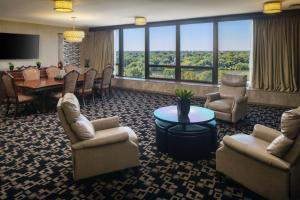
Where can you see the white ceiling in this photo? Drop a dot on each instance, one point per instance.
(91, 13)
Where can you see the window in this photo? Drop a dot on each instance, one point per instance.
(234, 47)
(134, 52)
(116, 52)
(196, 52)
(162, 53)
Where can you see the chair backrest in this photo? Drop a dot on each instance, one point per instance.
(9, 85)
(70, 82)
(52, 72)
(89, 79)
(70, 68)
(106, 75)
(233, 85)
(31, 74)
(67, 128)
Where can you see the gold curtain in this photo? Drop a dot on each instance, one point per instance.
(98, 47)
(276, 57)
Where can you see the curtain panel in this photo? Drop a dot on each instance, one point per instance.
(276, 54)
(98, 47)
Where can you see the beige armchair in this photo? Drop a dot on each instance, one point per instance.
(230, 103)
(112, 148)
(244, 158)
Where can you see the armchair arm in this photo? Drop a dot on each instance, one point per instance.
(101, 140)
(256, 154)
(265, 133)
(105, 123)
(213, 96)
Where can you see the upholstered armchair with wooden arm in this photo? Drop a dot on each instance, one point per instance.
(245, 159)
(112, 148)
(230, 103)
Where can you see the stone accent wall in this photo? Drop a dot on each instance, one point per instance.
(71, 53)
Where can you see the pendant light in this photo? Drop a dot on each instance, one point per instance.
(74, 35)
(65, 6)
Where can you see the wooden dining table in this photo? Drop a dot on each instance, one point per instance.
(43, 86)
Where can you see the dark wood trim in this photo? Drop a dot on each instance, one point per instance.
(215, 52)
(147, 48)
(198, 20)
(177, 67)
(121, 53)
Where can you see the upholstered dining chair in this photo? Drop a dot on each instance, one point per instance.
(230, 103)
(70, 68)
(52, 71)
(12, 96)
(70, 83)
(105, 83)
(247, 160)
(31, 74)
(111, 147)
(88, 85)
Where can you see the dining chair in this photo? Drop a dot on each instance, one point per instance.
(69, 86)
(31, 74)
(70, 68)
(105, 83)
(88, 85)
(12, 96)
(52, 71)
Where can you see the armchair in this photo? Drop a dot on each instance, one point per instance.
(245, 159)
(230, 103)
(112, 148)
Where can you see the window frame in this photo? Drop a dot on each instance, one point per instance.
(177, 23)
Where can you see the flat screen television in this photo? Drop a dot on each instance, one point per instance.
(19, 46)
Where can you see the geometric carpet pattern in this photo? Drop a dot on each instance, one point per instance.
(36, 162)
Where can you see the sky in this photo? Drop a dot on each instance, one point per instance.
(233, 35)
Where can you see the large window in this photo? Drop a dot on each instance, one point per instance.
(134, 52)
(234, 47)
(196, 52)
(116, 52)
(162, 52)
(201, 51)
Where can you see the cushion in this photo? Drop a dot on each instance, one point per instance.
(290, 123)
(71, 107)
(280, 146)
(83, 128)
(222, 105)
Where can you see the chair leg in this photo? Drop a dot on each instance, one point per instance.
(7, 108)
(16, 110)
(93, 96)
(83, 99)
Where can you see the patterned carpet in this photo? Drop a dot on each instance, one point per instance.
(36, 163)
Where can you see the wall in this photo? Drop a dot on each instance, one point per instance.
(168, 87)
(49, 42)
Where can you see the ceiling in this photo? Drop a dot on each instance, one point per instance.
(92, 13)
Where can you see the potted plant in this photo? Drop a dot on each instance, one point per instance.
(11, 66)
(38, 64)
(183, 101)
(87, 63)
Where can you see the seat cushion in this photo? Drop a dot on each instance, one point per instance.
(222, 105)
(71, 107)
(290, 123)
(24, 98)
(250, 141)
(280, 146)
(83, 128)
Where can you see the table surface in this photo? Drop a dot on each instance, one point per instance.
(196, 115)
(43, 83)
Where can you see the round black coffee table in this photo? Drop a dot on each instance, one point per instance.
(186, 138)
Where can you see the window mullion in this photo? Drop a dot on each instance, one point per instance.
(177, 68)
